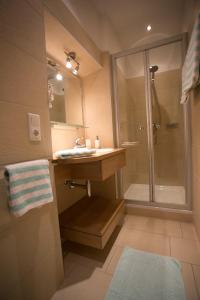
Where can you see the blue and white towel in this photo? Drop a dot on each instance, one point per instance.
(75, 152)
(29, 185)
(191, 67)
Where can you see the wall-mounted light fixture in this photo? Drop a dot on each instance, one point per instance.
(71, 62)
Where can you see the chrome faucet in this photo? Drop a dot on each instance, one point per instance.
(78, 143)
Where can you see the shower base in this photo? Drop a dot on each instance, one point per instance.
(163, 193)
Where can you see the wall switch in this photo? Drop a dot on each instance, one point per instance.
(34, 127)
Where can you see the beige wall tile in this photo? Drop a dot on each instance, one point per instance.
(98, 104)
(26, 244)
(37, 5)
(30, 245)
(9, 264)
(23, 79)
(65, 138)
(41, 282)
(24, 29)
(15, 145)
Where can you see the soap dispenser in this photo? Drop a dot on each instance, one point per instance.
(97, 143)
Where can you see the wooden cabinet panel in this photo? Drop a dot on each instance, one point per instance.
(91, 221)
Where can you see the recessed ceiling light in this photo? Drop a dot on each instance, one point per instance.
(149, 27)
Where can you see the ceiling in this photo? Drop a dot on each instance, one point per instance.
(130, 18)
(59, 39)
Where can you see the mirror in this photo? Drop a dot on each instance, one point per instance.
(65, 98)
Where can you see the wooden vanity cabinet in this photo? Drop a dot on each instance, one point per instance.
(91, 220)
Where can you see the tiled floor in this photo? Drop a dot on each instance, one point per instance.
(88, 271)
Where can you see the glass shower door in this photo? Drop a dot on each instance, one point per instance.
(132, 126)
(167, 124)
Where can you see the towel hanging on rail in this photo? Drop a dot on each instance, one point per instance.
(191, 67)
(29, 185)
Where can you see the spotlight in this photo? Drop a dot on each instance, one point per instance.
(68, 63)
(149, 27)
(59, 76)
(71, 62)
(75, 70)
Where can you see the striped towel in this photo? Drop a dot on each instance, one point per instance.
(191, 67)
(29, 185)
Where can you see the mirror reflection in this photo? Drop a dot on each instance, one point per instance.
(65, 97)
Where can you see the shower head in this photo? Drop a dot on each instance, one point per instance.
(153, 69)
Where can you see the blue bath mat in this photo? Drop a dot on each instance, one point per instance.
(145, 276)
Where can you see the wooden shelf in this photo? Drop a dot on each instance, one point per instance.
(91, 221)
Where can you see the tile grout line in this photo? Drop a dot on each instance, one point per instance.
(157, 233)
(181, 229)
(170, 251)
(109, 262)
(195, 282)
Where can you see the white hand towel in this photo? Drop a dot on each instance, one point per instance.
(191, 67)
(29, 185)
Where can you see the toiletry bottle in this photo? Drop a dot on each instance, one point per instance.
(97, 143)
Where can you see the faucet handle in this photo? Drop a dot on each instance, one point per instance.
(77, 141)
(78, 144)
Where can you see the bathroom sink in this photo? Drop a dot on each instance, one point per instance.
(79, 152)
(74, 152)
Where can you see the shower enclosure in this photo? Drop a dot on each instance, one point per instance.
(152, 124)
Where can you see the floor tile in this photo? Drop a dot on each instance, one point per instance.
(145, 241)
(185, 250)
(196, 270)
(90, 257)
(188, 231)
(189, 282)
(88, 271)
(153, 225)
(68, 267)
(84, 284)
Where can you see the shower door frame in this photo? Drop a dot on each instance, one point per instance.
(187, 125)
